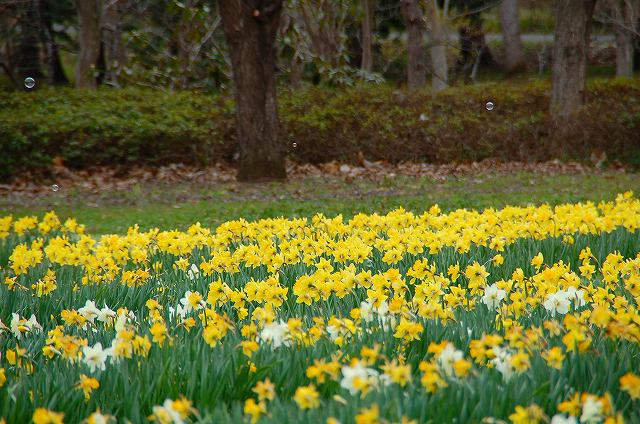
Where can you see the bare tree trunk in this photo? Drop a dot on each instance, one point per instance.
(438, 46)
(101, 65)
(113, 44)
(89, 41)
(624, 54)
(474, 51)
(414, 23)
(367, 35)
(296, 72)
(55, 71)
(573, 20)
(184, 45)
(514, 53)
(625, 21)
(324, 22)
(251, 36)
(27, 55)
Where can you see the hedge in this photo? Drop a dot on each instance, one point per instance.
(143, 126)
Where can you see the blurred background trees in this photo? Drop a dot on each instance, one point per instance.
(189, 45)
(180, 44)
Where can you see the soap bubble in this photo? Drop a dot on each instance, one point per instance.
(29, 83)
(55, 187)
(489, 106)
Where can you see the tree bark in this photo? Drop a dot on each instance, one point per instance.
(438, 47)
(89, 42)
(513, 51)
(573, 21)
(113, 44)
(250, 29)
(367, 35)
(474, 51)
(183, 33)
(55, 71)
(624, 54)
(325, 22)
(27, 60)
(626, 17)
(414, 22)
(296, 72)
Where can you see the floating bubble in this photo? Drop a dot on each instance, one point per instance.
(489, 106)
(424, 117)
(294, 145)
(29, 82)
(55, 187)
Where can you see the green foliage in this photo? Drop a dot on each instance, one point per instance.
(151, 127)
(108, 127)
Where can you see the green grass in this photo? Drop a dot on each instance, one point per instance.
(163, 206)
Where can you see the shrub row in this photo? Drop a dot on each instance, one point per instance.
(108, 127)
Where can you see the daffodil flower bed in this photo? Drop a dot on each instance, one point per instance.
(524, 315)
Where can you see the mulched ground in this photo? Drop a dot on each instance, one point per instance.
(104, 179)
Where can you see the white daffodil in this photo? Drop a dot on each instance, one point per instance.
(89, 311)
(32, 324)
(334, 332)
(106, 315)
(449, 356)
(99, 418)
(561, 419)
(95, 357)
(591, 410)
(576, 296)
(190, 302)
(493, 296)
(122, 319)
(166, 413)
(502, 362)
(350, 374)
(557, 303)
(17, 325)
(193, 272)
(181, 311)
(275, 333)
(366, 308)
(369, 313)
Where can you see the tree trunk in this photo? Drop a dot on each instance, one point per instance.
(296, 72)
(513, 51)
(413, 20)
(251, 35)
(113, 44)
(570, 48)
(636, 46)
(438, 46)
(367, 35)
(183, 34)
(474, 51)
(89, 42)
(27, 60)
(55, 71)
(324, 22)
(626, 16)
(624, 54)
